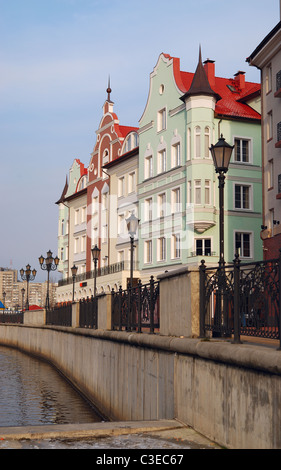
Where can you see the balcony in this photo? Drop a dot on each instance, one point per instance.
(278, 143)
(277, 94)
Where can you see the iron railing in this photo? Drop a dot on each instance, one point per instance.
(241, 299)
(88, 313)
(11, 317)
(136, 308)
(103, 271)
(60, 315)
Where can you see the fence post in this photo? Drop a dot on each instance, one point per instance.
(236, 313)
(151, 306)
(139, 305)
(202, 299)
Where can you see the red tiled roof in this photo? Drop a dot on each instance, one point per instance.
(233, 102)
(124, 130)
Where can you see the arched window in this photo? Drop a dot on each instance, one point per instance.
(197, 146)
(207, 141)
(131, 142)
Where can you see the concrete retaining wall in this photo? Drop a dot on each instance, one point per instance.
(230, 393)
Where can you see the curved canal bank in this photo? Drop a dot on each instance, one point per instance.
(227, 392)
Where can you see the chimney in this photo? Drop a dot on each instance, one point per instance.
(240, 79)
(209, 66)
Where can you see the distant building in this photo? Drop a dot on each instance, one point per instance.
(267, 57)
(11, 291)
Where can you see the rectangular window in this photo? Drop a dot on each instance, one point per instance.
(148, 170)
(241, 150)
(76, 217)
(203, 247)
(176, 200)
(242, 197)
(269, 126)
(132, 182)
(189, 199)
(162, 249)
(243, 244)
(207, 192)
(268, 79)
(161, 120)
(148, 251)
(162, 205)
(162, 161)
(176, 248)
(197, 191)
(270, 174)
(83, 243)
(121, 186)
(121, 224)
(76, 245)
(83, 214)
(176, 157)
(148, 209)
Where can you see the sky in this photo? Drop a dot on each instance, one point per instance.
(55, 60)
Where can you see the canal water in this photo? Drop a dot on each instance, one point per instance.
(32, 392)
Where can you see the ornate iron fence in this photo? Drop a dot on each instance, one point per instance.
(11, 317)
(241, 299)
(88, 314)
(60, 315)
(136, 308)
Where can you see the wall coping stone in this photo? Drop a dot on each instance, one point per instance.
(246, 355)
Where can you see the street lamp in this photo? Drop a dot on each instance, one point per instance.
(22, 297)
(221, 153)
(132, 226)
(74, 272)
(95, 255)
(48, 264)
(27, 276)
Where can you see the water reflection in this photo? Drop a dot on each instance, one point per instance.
(32, 392)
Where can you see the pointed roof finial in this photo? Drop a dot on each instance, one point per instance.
(108, 90)
(200, 84)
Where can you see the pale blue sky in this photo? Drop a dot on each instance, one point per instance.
(55, 59)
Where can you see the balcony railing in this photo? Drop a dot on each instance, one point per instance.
(103, 271)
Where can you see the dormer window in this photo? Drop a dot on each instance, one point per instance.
(131, 142)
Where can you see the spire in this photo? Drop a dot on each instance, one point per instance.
(108, 90)
(200, 84)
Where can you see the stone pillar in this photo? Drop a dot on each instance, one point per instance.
(179, 302)
(75, 314)
(104, 312)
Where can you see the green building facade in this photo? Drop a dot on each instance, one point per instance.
(178, 188)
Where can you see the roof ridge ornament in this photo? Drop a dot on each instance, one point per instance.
(108, 90)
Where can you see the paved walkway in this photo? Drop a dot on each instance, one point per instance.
(171, 431)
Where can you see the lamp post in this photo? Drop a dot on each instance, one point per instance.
(22, 297)
(74, 272)
(27, 276)
(221, 153)
(48, 264)
(132, 226)
(95, 255)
